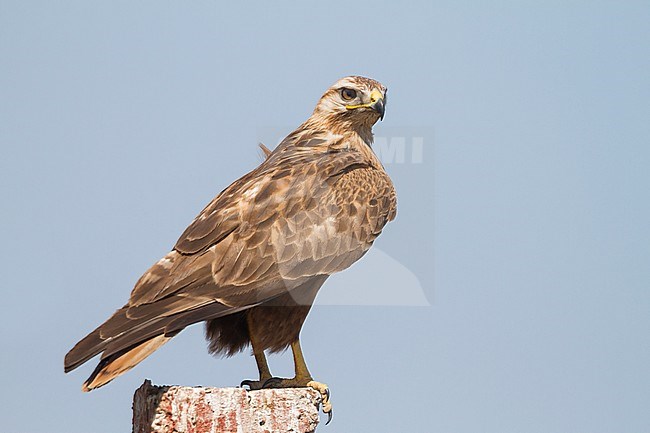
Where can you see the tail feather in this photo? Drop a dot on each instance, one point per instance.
(121, 362)
(125, 341)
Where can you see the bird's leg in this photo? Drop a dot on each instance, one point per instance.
(302, 379)
(260, 359)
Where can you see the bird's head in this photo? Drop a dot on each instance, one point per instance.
(352, 101)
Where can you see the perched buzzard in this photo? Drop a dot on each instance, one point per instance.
(252, 262)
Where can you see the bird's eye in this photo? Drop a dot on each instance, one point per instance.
(348, 94)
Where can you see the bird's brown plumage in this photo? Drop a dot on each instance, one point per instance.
(263, 247)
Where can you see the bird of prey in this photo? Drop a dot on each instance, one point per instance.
(252, 262)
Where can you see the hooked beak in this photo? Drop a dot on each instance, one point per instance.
(377, 103)
(379, 107)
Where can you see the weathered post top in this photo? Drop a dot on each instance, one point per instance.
(183, 409)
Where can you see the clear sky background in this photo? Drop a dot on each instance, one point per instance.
(513, 288)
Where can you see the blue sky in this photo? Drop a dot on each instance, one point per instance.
(510, 294)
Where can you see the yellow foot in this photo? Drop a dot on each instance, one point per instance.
(278, 382)
(325, 396)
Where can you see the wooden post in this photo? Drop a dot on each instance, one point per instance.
(183, 409)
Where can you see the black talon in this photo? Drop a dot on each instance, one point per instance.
(245, 383)
(329, 416)
(327, 393)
